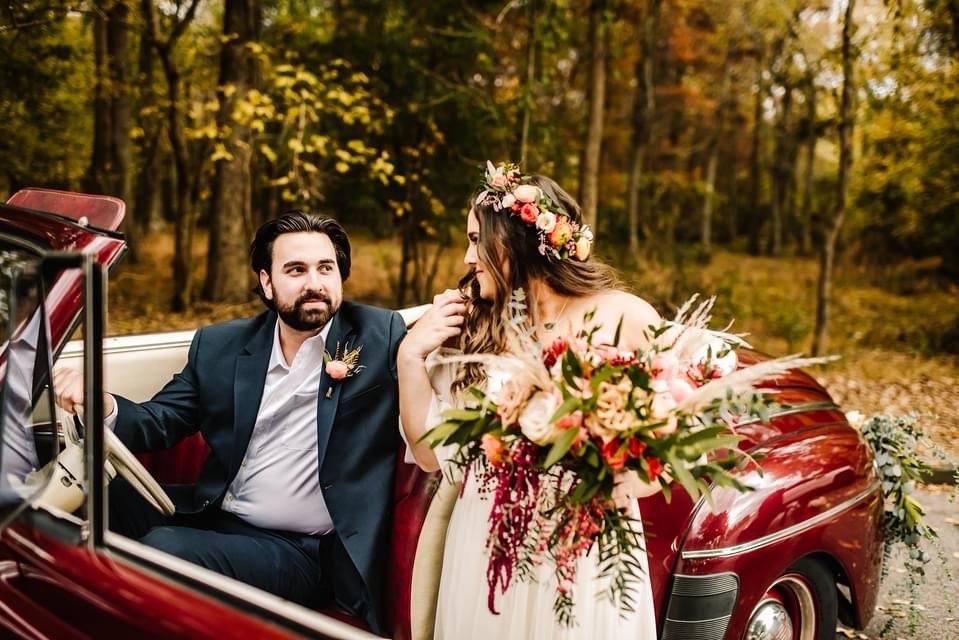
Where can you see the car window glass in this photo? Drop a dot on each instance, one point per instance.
(28, 437)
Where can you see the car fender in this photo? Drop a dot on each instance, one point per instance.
(817, 493)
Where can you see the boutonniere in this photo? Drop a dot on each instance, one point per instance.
(343, 366)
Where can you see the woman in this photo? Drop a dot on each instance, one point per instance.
(510, 248)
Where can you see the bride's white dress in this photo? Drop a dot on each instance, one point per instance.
(526, 609)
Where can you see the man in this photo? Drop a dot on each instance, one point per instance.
(295, 496)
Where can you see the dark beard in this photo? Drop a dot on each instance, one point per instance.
(300, 319)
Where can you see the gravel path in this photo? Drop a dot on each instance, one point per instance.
(939, 594)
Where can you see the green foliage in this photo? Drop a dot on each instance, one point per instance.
(897, 442)
(45, 97)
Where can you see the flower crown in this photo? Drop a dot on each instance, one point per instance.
(505, 188)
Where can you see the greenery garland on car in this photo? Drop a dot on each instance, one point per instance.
(896, 441)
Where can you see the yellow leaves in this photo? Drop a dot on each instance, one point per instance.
(399, 179)
(342, 167)
(309, 167)
(437, 207)
(343, 155)
(399, 208)
(228, 90)
(295, 145)
(356, 146)
(220, 153)
(268, 153)
(137, 133)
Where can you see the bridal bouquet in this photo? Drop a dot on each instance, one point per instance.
(555, 426)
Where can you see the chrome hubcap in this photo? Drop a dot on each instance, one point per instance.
(786, 612)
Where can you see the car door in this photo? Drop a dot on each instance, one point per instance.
(64, 574)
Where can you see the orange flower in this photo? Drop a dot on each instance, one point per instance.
(561, 233)
(494, 449)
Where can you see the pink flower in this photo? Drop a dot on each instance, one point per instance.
(665, 366)
(574, 419)
(498, 181)
(679, 389)
(526, 193)
(528, 213)
(337, 369)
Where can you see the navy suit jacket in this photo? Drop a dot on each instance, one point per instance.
(218, 393)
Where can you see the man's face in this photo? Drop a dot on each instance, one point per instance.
(304, 280)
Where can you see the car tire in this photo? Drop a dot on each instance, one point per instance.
(806, 592)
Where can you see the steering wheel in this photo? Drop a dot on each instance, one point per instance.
(65, 489)
(136, 474)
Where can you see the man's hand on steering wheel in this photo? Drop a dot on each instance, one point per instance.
(68, 391)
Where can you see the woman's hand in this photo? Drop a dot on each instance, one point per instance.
(629, 487)
(442, 322)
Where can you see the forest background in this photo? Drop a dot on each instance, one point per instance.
(796, 158)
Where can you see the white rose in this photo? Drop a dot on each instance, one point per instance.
(663, 403)
(526, 193)
(724, 364)
(586, 232)
(508, 200)
(534, 420)
(546, 221)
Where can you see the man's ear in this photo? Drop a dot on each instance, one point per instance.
(265, 284)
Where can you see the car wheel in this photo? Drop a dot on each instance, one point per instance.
(801, 604)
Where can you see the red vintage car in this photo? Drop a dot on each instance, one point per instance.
(783, 561)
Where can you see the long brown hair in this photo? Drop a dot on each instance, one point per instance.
(510, 250)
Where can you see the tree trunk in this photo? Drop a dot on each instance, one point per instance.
(810, 157)
(644, 106)
(227, 277)
(846, 122)
(183, 214)
(147, 196)
(754, 218)
(98, 178)
(589, 175)
(780, 171)
(712, 163)
(529, 76)
(121, 154)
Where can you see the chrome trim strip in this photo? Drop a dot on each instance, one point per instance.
(805, 407)
(143, 342)
(308, 618)
(765, 541)
(726, 617)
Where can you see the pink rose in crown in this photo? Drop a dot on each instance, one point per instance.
(528, 213)
(499, 181)
(337, 369)
(526, 193)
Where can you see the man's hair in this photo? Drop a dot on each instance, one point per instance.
(296, 221)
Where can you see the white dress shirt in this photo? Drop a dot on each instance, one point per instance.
(278, 484)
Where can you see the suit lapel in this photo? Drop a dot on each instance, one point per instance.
(248, 382)
(340, 334)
